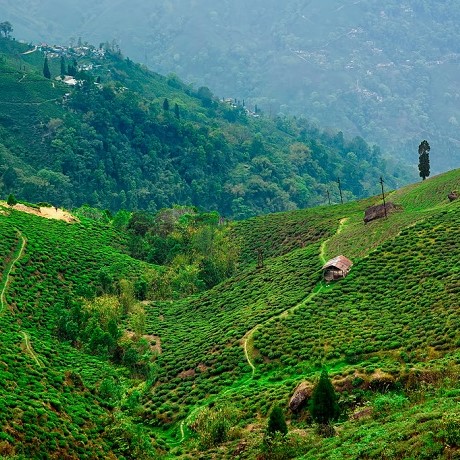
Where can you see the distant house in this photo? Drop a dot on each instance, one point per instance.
(336, 268)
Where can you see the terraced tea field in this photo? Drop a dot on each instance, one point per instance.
(50, 405)
(388, 333)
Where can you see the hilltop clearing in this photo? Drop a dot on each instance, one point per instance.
(48, 212)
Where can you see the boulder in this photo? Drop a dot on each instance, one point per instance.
(378, 211)
(453, 196)
(301, 395)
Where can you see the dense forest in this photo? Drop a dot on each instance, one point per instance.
(124, 137)
(386, 72)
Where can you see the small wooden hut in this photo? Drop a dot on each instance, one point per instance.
(337, 268)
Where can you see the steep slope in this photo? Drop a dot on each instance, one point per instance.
(58, 399)
(368, 68)
(77, 384)
(248, 342)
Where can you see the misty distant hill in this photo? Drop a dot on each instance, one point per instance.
(386, 72)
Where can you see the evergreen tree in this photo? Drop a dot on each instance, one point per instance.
(11, 201)
(424, 159)
(6, 28)
(276, 422)
(176, 110)
(63, 66)
(166, 105)
(324, 407)
(46, 69)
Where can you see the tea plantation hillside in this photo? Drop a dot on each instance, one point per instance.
(57, 400)
(98, 363)
(387, 331)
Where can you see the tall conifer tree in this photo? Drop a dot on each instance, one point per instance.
(63, 66)
(276, 422)
(424, 159)
(46, 69)
(324, 407)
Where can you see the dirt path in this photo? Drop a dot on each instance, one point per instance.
(318, 288)
(246, 339)
(33, 103)
(3, 303)
(31, 51)
(30, 349)
(249, 335)
(322, 250)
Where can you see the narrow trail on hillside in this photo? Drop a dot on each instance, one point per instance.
(249, 336)
(317, 289)
(322, 249)
(30, 349)
(3, 303)
(30, 51)
(32, 103)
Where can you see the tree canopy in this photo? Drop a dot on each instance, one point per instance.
(6, 29)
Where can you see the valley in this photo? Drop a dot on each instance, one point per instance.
(387, 333)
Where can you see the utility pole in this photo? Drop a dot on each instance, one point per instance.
(260, 258)
(329, 197)
(383, 196)
(340, 190)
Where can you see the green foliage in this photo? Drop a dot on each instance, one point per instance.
(451, 429)
(63, 66)
(11, 201)
(6, 29)
(197, 251)
(388, 403)
(282, 447)
(424, 159)
(209, 154)
(124, 374)
(276, 422)
(46, 69)
(213, 424)
(324, 407)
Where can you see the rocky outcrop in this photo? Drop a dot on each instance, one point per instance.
(301, 396)
(378, 211)
(453, 195)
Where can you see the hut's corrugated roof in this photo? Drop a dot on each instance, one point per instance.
(340, 262)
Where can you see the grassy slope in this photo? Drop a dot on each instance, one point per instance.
(396, 309)
(50, 404)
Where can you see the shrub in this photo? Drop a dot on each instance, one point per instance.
(11, 201)
(324, 407)
(213, 425)
(276, 422)
(451, 429)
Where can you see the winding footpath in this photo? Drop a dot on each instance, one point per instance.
(319, 287)
(3, 303)
(249, 336)
(30, 349)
